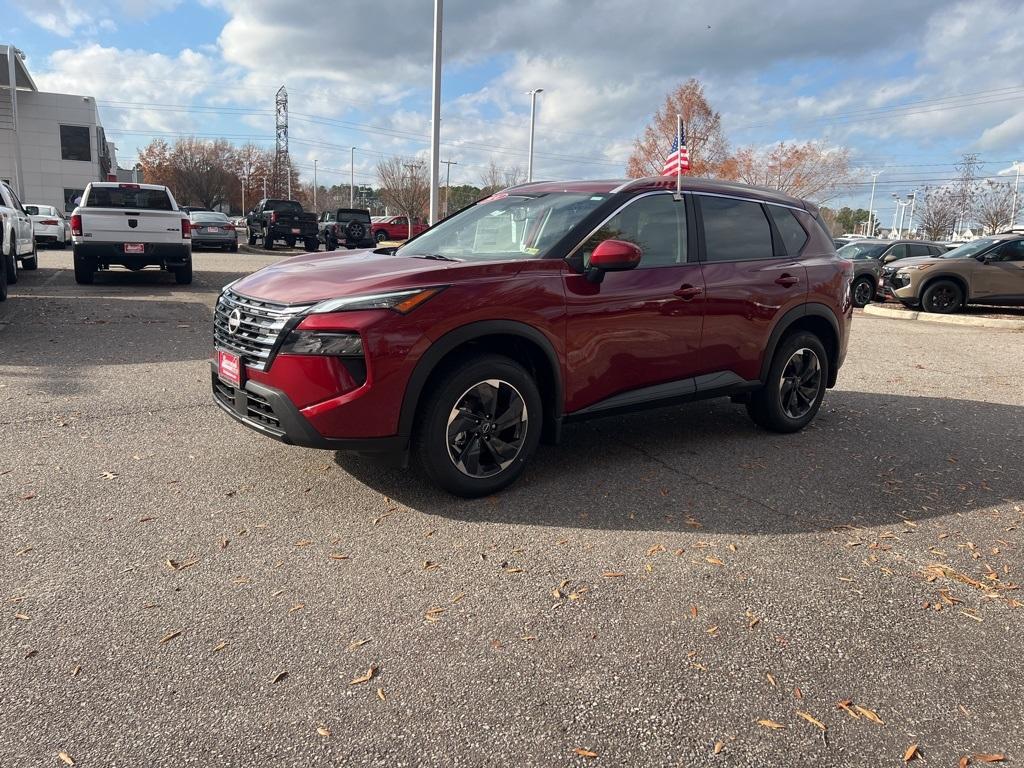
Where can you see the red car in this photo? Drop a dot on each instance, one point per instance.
(396, 228)
(539, 306)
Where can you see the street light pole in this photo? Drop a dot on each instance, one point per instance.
(871, 205)
(315, 210)
(1016, 183)
(435, 122)
(913, 204)
(243, 179)
(533, 124)
(352, 179)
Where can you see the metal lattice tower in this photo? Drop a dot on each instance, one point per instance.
(282, 163)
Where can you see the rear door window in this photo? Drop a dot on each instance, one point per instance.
(920, 250)
(132, 198)
(735, 230)
(792, 233)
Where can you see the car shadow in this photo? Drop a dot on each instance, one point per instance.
(867, 460)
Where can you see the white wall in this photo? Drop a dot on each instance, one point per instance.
(46, 175)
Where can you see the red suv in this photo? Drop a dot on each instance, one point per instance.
(541, 305)
(396, 228)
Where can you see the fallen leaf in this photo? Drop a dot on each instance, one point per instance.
(323, 732)
(811, 719)
(719, 746)
(771, 679)
(21, 616)
(693, 611)
(365, 677)
(24, 551)
(108, 475)
(869, 714)
(770, 724)
(845, 705)
(65, 758)
(430, 566)
(589, 754)
(27, 496)
(911, 753)
(338, 556)
(964, 762)
(357, 644)
(990, 758)
(296, 607)
(380, 694)
(279, 677)
(146, 519)
(713, 560)
(797, 693)
(434, 614)
(76, 670)
(168, 637)
(613, 574)
(220, 646)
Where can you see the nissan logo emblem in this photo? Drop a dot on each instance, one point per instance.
(234, 321)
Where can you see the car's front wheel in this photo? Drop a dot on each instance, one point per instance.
(479, 426)
(792, 395)
(942, 297)
(863, 291)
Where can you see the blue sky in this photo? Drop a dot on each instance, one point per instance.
(906, 89)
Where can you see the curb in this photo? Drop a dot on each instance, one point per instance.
(927, 317)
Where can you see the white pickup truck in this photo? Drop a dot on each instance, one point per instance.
(133, 226)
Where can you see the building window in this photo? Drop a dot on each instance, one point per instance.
(74, 143)
(72, 197)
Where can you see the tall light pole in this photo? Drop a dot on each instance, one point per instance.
(435, 120)
(315, 210)
(913, 203)
(243, 179)
(1016, 183)
(533, 123)
(871, 205)
(352, 179)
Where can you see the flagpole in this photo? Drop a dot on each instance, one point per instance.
(679, 156)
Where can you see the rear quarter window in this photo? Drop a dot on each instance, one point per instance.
(790, 230)
(133, 199)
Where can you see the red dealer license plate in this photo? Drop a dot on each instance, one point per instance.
(229, 368)
(134, 247)
(296, 231)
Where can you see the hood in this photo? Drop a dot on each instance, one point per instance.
(314, 277)
(911, 262)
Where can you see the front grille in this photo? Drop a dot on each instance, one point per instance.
(259, 326)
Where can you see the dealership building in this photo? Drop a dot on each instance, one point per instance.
(51, 144)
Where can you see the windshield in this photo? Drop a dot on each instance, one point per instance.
(510, 227)
(862, 250)
(971, 249)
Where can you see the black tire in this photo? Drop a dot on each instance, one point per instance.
(3, 276)
(942, 297)
(330, 243)
(183, 274)
(268, 242)
(85, 270)
(290, 242)
(770, 407)
(252, 237)
(311, 244)
(30, 263)
(435, 444)
(380, 235)
(12, 264)
(862, 291)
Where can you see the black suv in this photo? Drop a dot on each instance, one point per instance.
(345, 228)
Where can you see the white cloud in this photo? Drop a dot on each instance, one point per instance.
(72, 18)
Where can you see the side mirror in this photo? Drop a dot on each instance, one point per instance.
(612, 256)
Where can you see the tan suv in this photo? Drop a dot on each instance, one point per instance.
(989, 270)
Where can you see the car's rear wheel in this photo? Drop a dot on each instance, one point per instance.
(479, 426)
(12, 263)
(863, 291)
(183, 274)
(85, 269)
(268, 242)
(312, 244)
(380, 236)
(30, 263)
(3, 278)
(792, 395)
(290, 242)
(942, 297)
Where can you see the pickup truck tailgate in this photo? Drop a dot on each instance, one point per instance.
(116, 225)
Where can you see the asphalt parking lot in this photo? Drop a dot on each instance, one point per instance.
(674, 588)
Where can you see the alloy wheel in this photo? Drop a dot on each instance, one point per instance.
(942, 298)
(487, 428)
(862, 293)
(800, 383)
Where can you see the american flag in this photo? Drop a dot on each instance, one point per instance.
(678, 160)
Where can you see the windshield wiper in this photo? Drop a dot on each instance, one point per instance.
(433, 257)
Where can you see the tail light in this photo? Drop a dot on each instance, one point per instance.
(273, 217)
(229, 227)
(76, 225)
(49, 222)
(186, 229)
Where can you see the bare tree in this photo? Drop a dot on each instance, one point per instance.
(404, 186)
(810, 170)
(702, 127)
(994, 206)
(495, 178)
(939, 211)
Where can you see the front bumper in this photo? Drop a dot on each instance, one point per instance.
(270, 412)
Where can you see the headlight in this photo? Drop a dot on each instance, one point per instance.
(402, 302)
(316, 343)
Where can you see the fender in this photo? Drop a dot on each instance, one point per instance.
(783, 324)
(436, 352)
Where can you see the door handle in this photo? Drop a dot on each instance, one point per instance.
(786, 280)
(688, 292)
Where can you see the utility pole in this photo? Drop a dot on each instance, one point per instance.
(435, 121)
(264, 186)
(1016, 183)
(447, 183)
(871, 205)
(533, 123)
(315, 209)
(352, 179)
(243, 180)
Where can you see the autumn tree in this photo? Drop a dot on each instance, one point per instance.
(702, 127)
(810, 170)
(404, 186)
(155, 161)
(993, 206)
(939, 209)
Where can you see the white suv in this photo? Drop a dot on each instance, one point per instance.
(17, 242)
(133, 226)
